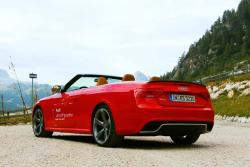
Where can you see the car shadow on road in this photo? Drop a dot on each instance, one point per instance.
(129, 143)
(76, 138)
(154, 144)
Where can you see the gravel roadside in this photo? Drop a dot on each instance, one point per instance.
(227, 145)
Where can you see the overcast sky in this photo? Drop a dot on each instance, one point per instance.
(58, 39)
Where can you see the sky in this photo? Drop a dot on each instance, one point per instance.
(58, 39)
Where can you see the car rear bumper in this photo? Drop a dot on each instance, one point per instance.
(175, 128)
(168, 121)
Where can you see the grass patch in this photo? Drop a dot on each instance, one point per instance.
(15, 120)
(241, 77)
(237, 106)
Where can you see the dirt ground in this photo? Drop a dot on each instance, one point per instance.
(227, 145)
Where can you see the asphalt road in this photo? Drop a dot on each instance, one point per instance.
(227, 145)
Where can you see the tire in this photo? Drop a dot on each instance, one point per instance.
(38, 124)
(185, 140)
(104, 128)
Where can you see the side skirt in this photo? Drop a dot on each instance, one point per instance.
(70, 130)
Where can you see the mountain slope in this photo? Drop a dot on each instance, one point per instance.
(221, 48)
(12, 100)
(139, 76)
(5, 78)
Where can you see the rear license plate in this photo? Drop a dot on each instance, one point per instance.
(182, 98)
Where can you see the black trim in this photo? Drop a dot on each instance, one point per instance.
(175, 128)
(179, 82)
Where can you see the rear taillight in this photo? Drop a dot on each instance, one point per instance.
(206, 95)
(149, 97)
(148, 93)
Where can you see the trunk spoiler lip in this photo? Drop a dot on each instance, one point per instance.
(195, 83)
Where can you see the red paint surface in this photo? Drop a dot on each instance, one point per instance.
(131, 110)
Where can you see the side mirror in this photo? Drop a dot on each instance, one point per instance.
(56, 89)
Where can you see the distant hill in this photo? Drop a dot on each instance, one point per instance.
(5, 78)
(12, 100)
(224, 47)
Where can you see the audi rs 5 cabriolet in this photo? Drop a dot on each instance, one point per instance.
(111, 107)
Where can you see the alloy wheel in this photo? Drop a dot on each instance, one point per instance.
(102, 125)
(38, 122)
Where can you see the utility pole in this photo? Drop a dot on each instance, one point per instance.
(32, 76)
(12, 68)
(2, 105)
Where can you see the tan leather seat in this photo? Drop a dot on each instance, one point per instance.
(56, 89)
(101, 81)
(155, 78)
(128, 77)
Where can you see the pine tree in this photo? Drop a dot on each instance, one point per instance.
(219, 49)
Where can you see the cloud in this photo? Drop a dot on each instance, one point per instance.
(59, 38)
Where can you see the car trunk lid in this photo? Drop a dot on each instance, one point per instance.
(180, 94)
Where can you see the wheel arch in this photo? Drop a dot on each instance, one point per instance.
(40, 107)
(102, 103)
(34, 109)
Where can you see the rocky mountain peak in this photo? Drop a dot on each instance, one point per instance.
(4, 74)
(139, 76)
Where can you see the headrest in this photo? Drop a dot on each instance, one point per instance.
(101, 81)
(128, 77)
(56, 89)
(155, 78)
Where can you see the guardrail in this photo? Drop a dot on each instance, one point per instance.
(14, 112)
(225, 75)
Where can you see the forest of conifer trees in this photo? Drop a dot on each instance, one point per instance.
(221, 48)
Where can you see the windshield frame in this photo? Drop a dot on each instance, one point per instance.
(77, 77)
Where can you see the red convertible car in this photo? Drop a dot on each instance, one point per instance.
(111, 107)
